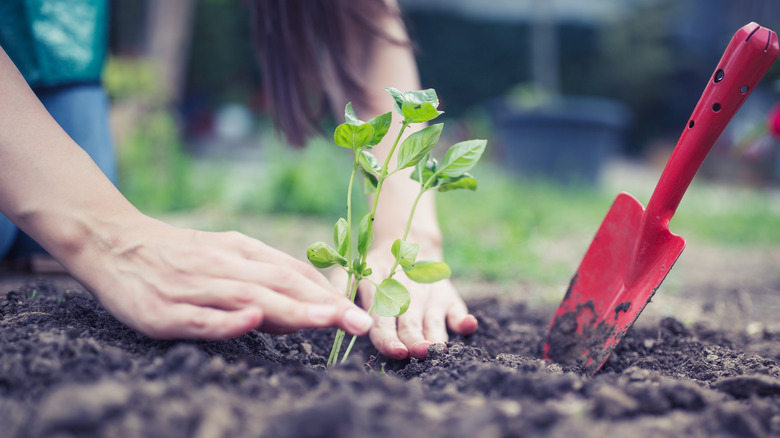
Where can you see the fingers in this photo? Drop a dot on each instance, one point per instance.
(243, 282)
(191, 284)
(186, 321)
(256, 250)
(410, 330)
(297, 304)
(285, 314)
(384, 336)
(292, 294)
(434, 308)
(460, 321)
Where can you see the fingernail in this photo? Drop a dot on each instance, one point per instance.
(321, 314)
(357, 321)
(250, 317)
(420, 349)
(398, 350)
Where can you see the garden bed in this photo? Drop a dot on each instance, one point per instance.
(67, 368)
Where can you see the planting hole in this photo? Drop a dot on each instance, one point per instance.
(716, 107)
(718, 76)
(744, 89)
(690, 124)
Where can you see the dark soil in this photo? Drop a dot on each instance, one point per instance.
(67, 369)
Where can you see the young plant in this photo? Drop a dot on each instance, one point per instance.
(392, 298)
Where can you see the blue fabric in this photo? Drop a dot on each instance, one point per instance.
(55, 42)
(8, 232)
(82, 111)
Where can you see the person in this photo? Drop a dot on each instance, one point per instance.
(171, 282)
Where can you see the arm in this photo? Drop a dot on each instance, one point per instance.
(164, 281)
(436, 306)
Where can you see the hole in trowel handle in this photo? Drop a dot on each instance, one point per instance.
(690, 124)
(744, 89)
(716, 107)
(718, 76)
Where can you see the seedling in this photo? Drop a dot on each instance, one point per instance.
(392, 298)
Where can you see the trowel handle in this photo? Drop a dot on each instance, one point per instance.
(748, 56)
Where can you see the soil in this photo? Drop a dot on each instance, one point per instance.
(67, 368)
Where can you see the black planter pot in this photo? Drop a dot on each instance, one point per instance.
(566, 141)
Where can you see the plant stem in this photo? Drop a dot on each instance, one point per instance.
(381, 180)
(334, 350)
(352, 291)
(408, 226)
(355, 165)
(349, 293)
(411, 214)
(352, 341)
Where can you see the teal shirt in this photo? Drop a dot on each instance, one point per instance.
(55, 42)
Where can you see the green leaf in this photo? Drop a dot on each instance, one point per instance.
(368, 162)
(398, 97)
(381, 124)
(350, 117)
(419, 112)
(424, 170)
(358, 267)
(422, 96)
(427, 271)
(416, 106)
(353, 137)
(322, 255)
(461, 157)
(365, 237)
(417, 145)
(465, 181)
(341, 236)
(371, 182)
(405, 253)
(391, 299)
(420, 106)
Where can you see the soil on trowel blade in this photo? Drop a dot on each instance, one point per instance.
(67, 369)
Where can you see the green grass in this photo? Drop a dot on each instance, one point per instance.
(499, 232)
(730, 215)
(516, 230)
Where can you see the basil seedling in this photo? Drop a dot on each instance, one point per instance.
(392, 298)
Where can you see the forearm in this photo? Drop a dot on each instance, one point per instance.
(49, 186)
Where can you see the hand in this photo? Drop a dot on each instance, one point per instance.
(170, 282)
(434, 308)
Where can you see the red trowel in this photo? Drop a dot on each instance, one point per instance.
(633, 249)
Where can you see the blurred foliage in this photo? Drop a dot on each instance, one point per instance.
(154, 172)
(514, 230)
(222, 62)
(130, 78)
(503, 236)
(311, 181)
(644, 67)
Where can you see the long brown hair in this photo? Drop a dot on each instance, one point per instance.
(311, 54)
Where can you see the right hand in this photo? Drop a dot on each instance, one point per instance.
(170, 282)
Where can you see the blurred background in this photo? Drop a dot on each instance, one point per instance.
(579, 100)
